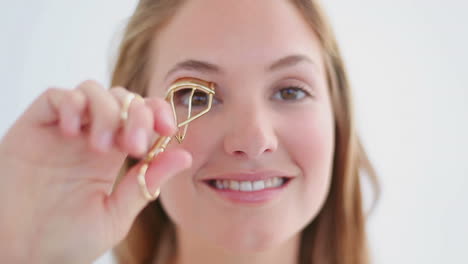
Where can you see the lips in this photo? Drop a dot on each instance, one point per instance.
(248, 186)
(249, 176)
(257, 187)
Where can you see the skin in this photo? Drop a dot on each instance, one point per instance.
(60, 158)
(59, 162)
(250, 127)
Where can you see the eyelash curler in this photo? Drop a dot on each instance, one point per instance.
(184, 86)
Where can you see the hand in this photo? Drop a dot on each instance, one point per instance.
(59, 163)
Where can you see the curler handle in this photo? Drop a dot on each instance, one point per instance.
(158, 147)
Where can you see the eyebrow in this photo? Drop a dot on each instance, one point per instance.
(290, 61)
(206, 67)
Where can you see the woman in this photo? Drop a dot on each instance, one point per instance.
(281, 113)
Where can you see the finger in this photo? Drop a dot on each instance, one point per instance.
(58, 107)
(45, 109)
(72, 110)
(164, 123)
(103, 113)
(134, 135)
(127, 200)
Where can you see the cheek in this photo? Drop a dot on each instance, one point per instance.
(314, 142)
(311, 147)
(179, 194)
(200, 141)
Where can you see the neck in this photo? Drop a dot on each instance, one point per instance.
(194, 252)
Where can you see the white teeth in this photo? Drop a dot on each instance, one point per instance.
(258, 185)
(234, 185)
(277, 181)
(268, 183)
(245, 186)
(248, 186)
(219, 184)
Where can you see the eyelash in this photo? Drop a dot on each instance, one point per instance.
(296, 88)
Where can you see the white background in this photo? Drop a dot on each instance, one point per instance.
(407, 62)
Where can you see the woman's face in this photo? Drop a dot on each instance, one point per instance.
(271, 121)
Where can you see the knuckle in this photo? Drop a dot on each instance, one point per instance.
(50, 91)
(75, 99)
(108, 110)
(118, 93)
(158, 104)
(139, 112)
(118, 90)
(113, 111)
(53, 95)
(90, 84)
(160, 101)
(142, 106)
(109, 113)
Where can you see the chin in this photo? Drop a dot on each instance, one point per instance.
(251, 241)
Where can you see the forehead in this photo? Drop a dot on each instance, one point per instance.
(236, 35)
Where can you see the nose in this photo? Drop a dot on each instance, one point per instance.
(250, 134)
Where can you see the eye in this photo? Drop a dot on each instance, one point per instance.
(199, 99)
(291, 93)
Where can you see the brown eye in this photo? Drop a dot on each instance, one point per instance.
(199, 99)
(291, 93)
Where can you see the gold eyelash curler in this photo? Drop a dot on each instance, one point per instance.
(179, 88)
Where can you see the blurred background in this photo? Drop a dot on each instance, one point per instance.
(407, 62)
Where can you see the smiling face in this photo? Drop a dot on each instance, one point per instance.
(262, 156)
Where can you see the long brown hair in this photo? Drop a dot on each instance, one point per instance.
(337, 234)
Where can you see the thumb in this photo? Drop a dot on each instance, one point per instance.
(128, 200)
